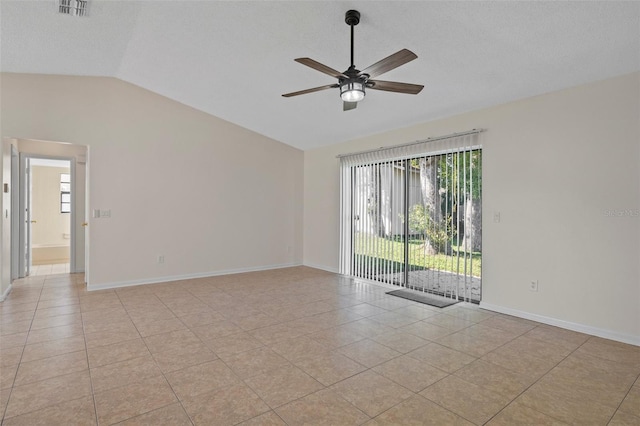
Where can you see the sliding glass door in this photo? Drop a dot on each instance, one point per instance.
(378, 225)
(416, 222)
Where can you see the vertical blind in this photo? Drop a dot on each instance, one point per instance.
(410, 215)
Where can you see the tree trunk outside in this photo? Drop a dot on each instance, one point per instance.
(472, 225)
(430, 193)
(431, 199)
(373, 201)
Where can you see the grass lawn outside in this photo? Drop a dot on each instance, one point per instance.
(388, 253)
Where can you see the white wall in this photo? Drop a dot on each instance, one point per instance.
(555, 167)
(208, 195)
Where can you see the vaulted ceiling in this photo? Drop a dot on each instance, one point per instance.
(234, 59)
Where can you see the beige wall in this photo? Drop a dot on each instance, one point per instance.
(556, 167)
(50, 255)
(208, 195)
(51, 225)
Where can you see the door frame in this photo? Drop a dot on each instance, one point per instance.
(24, 247)
(15, 218)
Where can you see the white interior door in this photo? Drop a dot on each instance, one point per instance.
(30, 220)
(25, 216)
(78, 221)
(15, 217)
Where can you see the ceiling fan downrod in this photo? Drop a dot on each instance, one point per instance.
(352, 18)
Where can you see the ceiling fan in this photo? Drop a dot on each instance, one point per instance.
(353, 82)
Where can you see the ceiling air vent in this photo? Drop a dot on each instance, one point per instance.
(73, 7)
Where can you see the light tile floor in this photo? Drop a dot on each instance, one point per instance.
(59, 268)
(294, 346)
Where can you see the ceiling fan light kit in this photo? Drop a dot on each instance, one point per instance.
(352, 91)
(353, 82)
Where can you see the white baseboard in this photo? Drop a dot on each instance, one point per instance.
(157, 280)
(6, 293)
(581, 328)
(323, 268)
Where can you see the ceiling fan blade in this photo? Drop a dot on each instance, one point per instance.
(320, 67)
(346, 106)
(393, 86)
(389, 63)
(315, 89)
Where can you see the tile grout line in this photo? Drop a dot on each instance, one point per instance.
(329, 387)
(272, 409)
(480, 358)
(538, 380)
(224, 363)
(153, 357)
(24, 346)
(155, 362)
(93, 394)
(4, 414)
(373, 371)
(625, 397)
(448, 374)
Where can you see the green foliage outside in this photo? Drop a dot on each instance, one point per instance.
(453, 167)
(459, 177)
(439, 234)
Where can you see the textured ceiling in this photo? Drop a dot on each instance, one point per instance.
(234, 59)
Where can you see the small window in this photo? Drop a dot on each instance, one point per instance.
(65, 193)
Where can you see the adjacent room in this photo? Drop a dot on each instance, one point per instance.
(319, 212)
(50, 216)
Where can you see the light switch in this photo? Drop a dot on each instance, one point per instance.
(105, 213)
(96, 213)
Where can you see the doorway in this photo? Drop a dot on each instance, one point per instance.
(49, 211)
(48, 238)
(46, 197)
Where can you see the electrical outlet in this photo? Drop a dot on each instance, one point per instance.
(496, 217)
(161, 258)
(533, 285)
